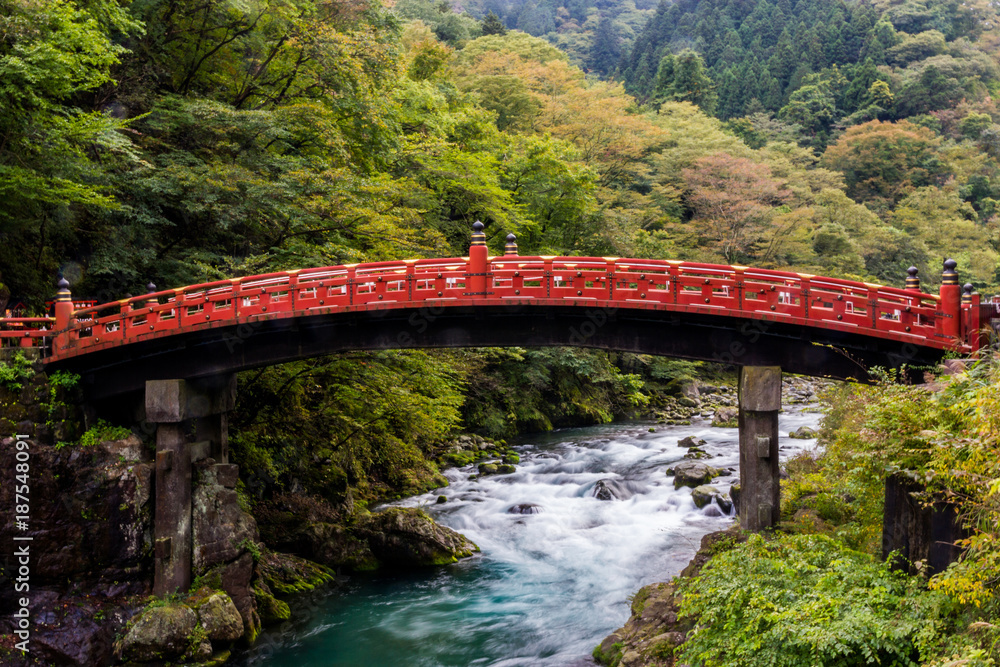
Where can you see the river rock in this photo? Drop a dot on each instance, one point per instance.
(524, 508)
(496, 469)
(690, 442)
(726, 417)
(702, 495)
(803, 433)
(693, 474)
(688, 402)
(219, 618)
(403, 536)
(734, 495)
(697, 453)
(160, 633)
(611, 489)
(725, 502)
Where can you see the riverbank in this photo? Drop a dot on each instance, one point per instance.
(823, 588)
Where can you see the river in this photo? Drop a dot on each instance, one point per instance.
(548, 586)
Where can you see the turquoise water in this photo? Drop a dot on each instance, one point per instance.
(548, 586)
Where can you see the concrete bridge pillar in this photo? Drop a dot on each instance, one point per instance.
(760, 402)
(191, 424)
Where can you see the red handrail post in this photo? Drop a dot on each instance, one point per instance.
(951, 301)
(64, 316)
(475, 281)
(970, 317)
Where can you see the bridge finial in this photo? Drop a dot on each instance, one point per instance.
(511, 247)
(478, 236)
(967, 294)
(150, 288)
(912, 279)
(949, 276)
(63, 311)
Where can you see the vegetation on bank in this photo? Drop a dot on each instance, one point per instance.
(376, 425)
(817, 591)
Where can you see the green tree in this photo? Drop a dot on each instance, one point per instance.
(55, 149)
(492, 25)
(883, 162)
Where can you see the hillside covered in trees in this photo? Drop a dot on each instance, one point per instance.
(183, 141)
(178, 142)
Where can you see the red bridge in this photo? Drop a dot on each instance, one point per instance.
(178, 350)
(731, 314)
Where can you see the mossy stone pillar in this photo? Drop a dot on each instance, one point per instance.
(180, 409)
(760, 402)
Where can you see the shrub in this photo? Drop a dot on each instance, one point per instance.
(803, 600)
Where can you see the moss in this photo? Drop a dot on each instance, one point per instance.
(664, 649)
(220, 658)
(611, 658)
(285, 574)
(270, 608)
(639, 599)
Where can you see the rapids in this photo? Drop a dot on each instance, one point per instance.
(549, 585)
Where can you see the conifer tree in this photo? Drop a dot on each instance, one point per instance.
(492, 25)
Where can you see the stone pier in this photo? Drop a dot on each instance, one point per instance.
(759, 402)
(191, 425)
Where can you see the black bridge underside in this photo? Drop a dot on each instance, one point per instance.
(743, 342)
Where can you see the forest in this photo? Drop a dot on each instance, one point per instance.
(175, 142)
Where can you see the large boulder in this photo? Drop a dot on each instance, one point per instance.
(693, 474)
(220, 618)
(221, 530)
(404, 537)
(160, 633)
(335, 545)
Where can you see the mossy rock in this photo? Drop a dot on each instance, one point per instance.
(286, 574)
(161, 632)
(269, 608)
(608, 652)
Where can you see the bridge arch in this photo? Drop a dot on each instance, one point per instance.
(730, 314)
(180, 349)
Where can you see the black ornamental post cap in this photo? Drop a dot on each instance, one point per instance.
(63, 294)
(950, 275)
(511, 247)
(150, 288)
(967, 293)
(478, 237)
(912, 280)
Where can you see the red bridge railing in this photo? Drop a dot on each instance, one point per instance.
(948, 320)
